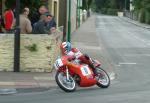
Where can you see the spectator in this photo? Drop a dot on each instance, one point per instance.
(52, 24)
(25, 24)
(8, 20)
(36, 16)
(41, 26)
(0, 24)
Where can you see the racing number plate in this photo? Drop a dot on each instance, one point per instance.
(58, 63)
(85, 70)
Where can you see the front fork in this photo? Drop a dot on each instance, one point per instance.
(67, 73)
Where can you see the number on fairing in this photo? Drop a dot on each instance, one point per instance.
(85, 70)
(59, 63)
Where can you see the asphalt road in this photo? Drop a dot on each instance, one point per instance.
(128, 48)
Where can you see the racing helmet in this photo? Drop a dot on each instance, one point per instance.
(65, 47)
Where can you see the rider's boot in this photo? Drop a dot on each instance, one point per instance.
(94, 69)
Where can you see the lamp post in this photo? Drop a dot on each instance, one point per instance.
(69, 21)
(17, 40)
(131, 5)
(79, 11)
(77, 14)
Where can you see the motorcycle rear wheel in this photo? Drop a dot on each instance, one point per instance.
(63, 83)
(103, 79)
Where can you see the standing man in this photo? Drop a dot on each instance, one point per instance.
(25, 24)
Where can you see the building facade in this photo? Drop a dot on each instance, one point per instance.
(60, 9)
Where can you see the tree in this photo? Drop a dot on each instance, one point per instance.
(101, 4)
(86, 5)
(32, 4)
(112, 4)
(142, 7)
(137, 4)
(120, 4)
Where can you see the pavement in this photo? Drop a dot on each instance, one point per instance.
(11, 82)
(23, 82)
(87, 40)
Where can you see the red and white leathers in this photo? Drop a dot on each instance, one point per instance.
(76, 54)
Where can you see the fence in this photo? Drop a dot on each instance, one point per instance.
(130, 14)
(37, 51)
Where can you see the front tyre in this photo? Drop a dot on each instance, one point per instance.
(63, 83)
(103, 79)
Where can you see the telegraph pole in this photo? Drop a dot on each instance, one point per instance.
(69, 22)
(17, 40)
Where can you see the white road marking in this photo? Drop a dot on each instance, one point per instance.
(44, 78)
(125, 63)
(135, 55)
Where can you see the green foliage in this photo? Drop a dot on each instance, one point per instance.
(135, 14)
(137, 4)
(112, 4)
(93, 7)
(32, 4)
(147, 17)
(112, 11)
(144, 7)
(104, 10)
(110, 7)
(120, 4)
(32, 48)
(101, 4)
(109, 11)
(141, 4)
(89, 3)
(10, 3)
(86, 4)
(148, 7)
(142, 15)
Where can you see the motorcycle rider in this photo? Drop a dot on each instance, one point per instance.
(74, 53)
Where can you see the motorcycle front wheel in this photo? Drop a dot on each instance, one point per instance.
(103, 79)
(63, 83)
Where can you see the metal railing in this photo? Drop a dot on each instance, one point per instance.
(131, 14)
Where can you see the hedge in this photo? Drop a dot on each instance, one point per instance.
(141, 16)
(112, 11)
(147, 17)
(109, 11)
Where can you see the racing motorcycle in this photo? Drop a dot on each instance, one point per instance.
(71, 73)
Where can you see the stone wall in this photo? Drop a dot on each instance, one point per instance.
(38, 52)
(6, 52)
